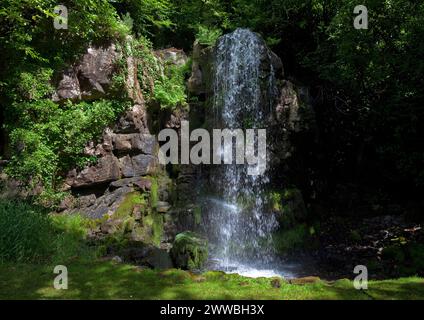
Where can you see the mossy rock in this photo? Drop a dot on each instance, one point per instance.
(135, 220)
(189, 251)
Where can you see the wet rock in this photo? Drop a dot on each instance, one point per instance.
(292, 208)
(195, 82)
(189, 251)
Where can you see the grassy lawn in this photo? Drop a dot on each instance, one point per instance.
(107, 280)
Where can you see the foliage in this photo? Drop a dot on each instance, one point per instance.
(189, 251)
(208, 36)
(170, 88)
(49, 138)
(148, 16)
(29, 234)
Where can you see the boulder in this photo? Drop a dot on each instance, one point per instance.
(189, 251)
(68, 87)
(144, 254)
(105, 170)
(158, 259)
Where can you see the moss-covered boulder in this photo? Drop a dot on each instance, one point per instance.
(189, 251)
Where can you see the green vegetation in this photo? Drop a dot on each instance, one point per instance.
(49, 139)
(170, 88)
(367, 90)
(106, 280)
(30, 235)
(289, 240)
(127, 206)
(189, 251)
(207, 36)
(136, 219)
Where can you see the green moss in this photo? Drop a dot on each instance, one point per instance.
(189, 251)
(127, 206)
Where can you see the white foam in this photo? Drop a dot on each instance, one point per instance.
(256, 273)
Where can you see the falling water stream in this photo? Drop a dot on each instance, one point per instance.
(239, 228)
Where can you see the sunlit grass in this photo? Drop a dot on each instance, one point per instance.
(107, 280)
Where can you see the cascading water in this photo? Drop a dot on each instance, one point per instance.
(239, 228)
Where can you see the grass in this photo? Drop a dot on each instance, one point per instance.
(107, 280)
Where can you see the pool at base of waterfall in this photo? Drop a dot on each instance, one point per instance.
(289, 271)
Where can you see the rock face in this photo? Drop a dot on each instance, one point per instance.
(90, 78)
(189, 251)
(126, 152)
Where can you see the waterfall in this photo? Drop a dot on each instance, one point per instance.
(239, 228)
